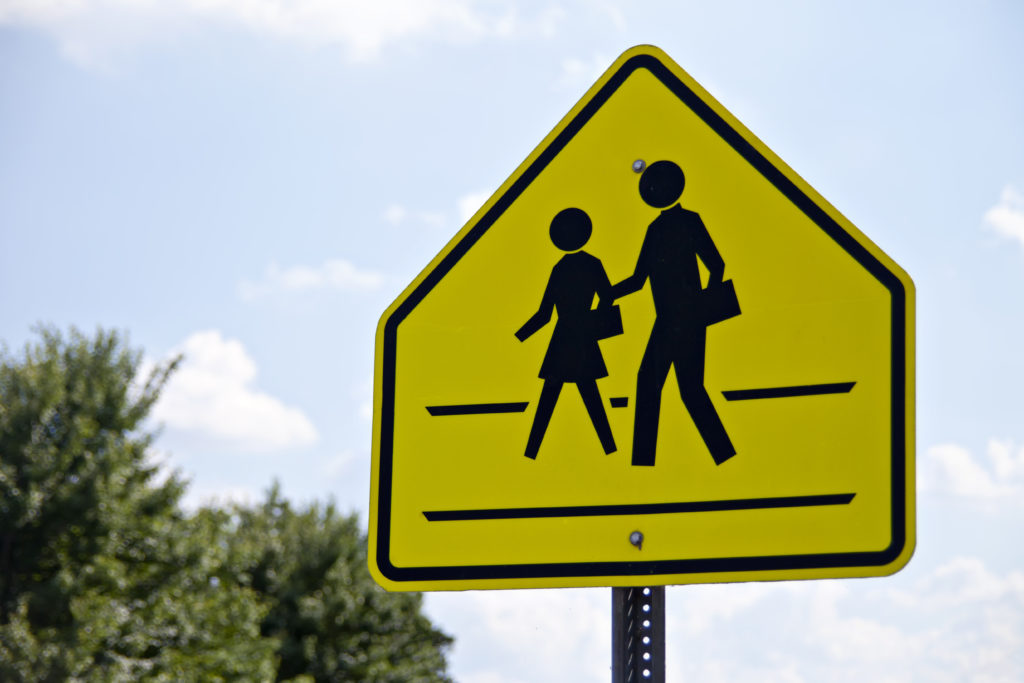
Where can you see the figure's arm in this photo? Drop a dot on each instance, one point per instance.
(708, 253)
(603, 287)
(635, 281)
(541, 317)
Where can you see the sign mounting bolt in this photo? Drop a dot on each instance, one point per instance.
(637, 537)
(639, 165)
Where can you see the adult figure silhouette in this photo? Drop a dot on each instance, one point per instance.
(573, 354)
(668, 258)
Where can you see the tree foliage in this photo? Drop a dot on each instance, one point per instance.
(332, 621)
(103, 576)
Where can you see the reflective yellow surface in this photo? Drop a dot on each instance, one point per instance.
(811, 314)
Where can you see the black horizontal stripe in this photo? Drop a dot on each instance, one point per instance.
(786, 392)
(477, 408)
(640, 509)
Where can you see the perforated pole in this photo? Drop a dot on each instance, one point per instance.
(638, 635)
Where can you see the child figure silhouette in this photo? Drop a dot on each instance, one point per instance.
(573, 354)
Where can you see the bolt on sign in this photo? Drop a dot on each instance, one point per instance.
(654, 356)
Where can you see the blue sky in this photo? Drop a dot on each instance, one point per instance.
(252, 182)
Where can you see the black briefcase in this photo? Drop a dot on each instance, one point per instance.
(719, 302)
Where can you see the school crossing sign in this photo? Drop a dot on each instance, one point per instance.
(654, 356)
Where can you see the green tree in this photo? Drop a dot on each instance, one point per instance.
(101, 576)
(333, 622)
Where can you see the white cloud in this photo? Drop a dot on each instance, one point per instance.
(1008, 467)
(161, 460)
(395, 214)
(541, 635)
(579, 74)
(974, 617)
(952, 469)
(212, 395)
(465, 207)
(88, 31)
(468, 204)
(363, 392)
(708, 608)
(434, 219)
(1007, 217)
(957, 621)
(334, 467)
(196, 498)
(400, 215)
(958, 583)
(960, 621)
(615, 16)
(335, 274)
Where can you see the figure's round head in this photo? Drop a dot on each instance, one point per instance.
(662, 184)
(570, 229)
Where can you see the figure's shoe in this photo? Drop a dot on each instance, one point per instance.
(723, 455)
(643, 459)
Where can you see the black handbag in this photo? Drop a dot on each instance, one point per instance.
(719, 302)
(606, 321)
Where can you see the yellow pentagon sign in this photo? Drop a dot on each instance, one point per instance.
(654, 356)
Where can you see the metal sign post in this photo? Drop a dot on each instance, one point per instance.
(638, 635)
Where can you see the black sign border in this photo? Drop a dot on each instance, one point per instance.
(655, 567)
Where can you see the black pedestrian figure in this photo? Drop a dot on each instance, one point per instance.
(573, 354)
(668, 258)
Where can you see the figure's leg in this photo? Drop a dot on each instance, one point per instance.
(595, 408)
(649, 381)
(545, 406)
(689, 365)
